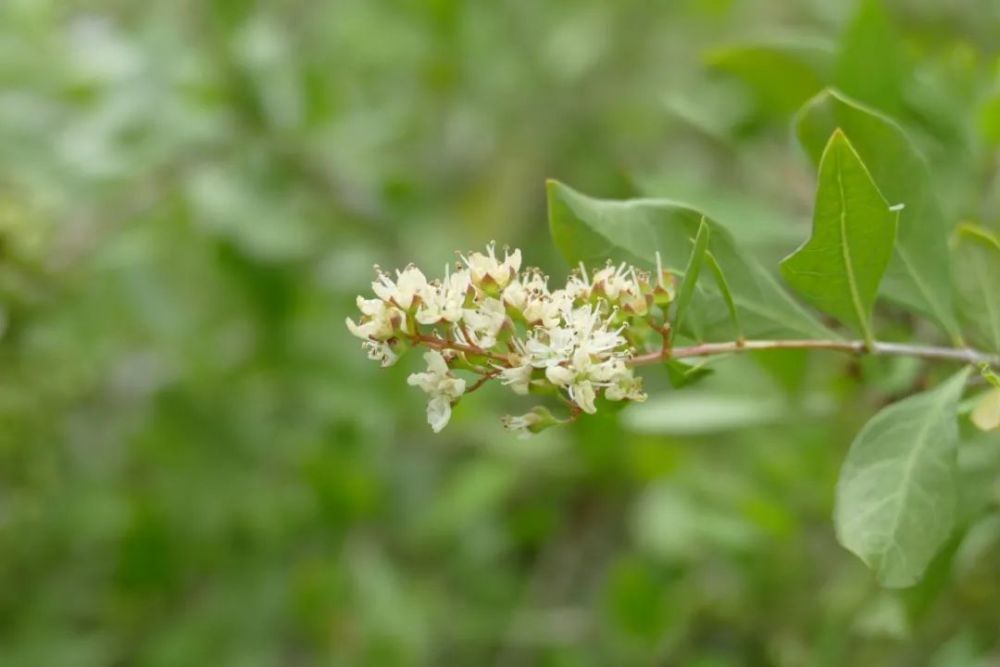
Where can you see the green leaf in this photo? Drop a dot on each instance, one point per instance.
(918, 273)
(781, 75)
(977, 282)
(691, 272)
(592, 230)
(727, 294)
(897, 492)
(839, 268)
(870, 64)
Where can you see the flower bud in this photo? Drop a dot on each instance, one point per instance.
(535, 420)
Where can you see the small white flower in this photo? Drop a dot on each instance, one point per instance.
(484, 322)
(583, 394)
(517, 377)
(545, 312)
(442, 387)
(611, 281)
(438, 413)
(530, 288)
(410, 283)
(519, 425)
(550, 347)
(445, 302)
(626, 387)
(380, 352)
(560, 376)
(487, 270)
(577, 288)
(623, 287)
(516, 295)
(378, 322)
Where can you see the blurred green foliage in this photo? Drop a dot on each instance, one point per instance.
(197, 464)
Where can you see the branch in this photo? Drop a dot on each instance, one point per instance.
(962, 355)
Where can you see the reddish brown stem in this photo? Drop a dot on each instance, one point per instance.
(442, 344)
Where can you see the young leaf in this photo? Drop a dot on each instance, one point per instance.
(592, 230)
(839, 268)
(897, 492)
(727, 294)
(918, 273)
(977, 281)
(691, 272)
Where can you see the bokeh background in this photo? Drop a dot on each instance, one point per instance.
(198, 466)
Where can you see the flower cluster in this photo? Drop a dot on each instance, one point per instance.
(492, 320)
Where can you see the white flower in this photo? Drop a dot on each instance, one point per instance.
(438, 413)
(576, 381)
(622, 286)
(583, 394)
(484, 322)
(528, 288)
(577, 288)
(518, 425)
(443, 388)
(445, 302)
(487, 270)
(517, 377)
(378, 322)
(626, 387)
(410, 283)
(612, 282)
(380, 352)
(515, 295)
(592, 331)
(560, 376)
(550, 347)
(585, 375)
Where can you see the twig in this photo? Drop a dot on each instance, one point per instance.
(961, 355)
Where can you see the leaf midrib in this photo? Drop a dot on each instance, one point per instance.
(907, 478)
(846, 253)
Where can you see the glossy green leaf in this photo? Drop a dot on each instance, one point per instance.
(897, 492)
(918, 273)
(870, 64)
(686, 291)
(977, 281)
(592, 230)
(839, 268)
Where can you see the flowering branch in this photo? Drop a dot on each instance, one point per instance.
(580, 342)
